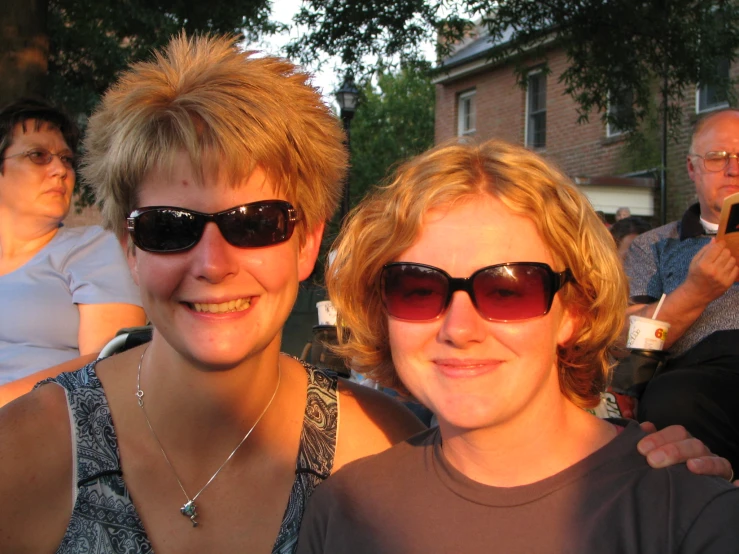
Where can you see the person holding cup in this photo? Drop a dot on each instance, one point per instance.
(481, 281)
(699, 384)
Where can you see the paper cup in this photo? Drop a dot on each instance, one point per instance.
(646, 333)
(326, 313)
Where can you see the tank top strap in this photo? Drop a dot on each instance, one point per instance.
(103, 512)
(315, 452)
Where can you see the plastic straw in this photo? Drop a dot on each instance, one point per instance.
(659, 306)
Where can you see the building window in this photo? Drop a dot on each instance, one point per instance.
(536, 110)
(466, 113)
(621, 108)
(710, 96)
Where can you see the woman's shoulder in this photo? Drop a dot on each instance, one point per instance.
(35, 424)
(370, 422)
(82, 233)
(35, 470)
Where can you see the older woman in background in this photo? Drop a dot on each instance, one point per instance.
(65, 292)
(482, 281)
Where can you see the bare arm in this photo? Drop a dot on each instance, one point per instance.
(100, 322)
(14, 389)
(712, 271)
(35, 472)
(370, 422)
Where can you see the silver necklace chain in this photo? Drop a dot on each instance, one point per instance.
(189, 509)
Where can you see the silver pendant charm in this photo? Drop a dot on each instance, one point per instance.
(190, 510)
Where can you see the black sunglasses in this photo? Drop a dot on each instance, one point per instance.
(169, 229)
(503, 292)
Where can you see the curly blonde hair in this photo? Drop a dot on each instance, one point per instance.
(229, 111)
(388, 222)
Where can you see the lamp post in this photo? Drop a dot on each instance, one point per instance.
(347, 97)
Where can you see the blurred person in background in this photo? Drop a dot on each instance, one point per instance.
(625, 230)
(65, 291)
(622, 213)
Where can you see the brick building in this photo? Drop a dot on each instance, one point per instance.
(477, 97)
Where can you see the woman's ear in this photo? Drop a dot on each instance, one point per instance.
(129, 250)
(309, 251)
(570, 321)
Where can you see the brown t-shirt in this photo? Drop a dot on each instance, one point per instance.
(409, 500)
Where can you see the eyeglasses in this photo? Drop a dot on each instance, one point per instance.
(41, 156)
(503, 292)
(164, 229)
(716, 161)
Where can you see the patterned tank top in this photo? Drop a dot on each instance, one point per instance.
(104, 519)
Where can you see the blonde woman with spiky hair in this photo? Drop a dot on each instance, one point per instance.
(217, 170)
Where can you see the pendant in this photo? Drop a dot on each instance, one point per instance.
(190, 510)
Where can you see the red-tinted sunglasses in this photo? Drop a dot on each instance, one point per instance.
(503, 292)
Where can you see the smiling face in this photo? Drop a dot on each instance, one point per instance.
(36, 191)
(473, 373)
(720, 134)
(215, 304)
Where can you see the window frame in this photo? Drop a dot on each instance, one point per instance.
(610, 131)
(466, 98)
(701, 90)
(528, 138)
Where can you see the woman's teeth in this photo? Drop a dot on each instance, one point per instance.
(231, 306)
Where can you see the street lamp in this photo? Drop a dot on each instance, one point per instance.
(347, 97)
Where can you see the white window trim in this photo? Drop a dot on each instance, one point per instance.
(526, 111)
(610, 132)
(461, 132)
(698, 90)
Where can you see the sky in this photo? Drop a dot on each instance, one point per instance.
(327, 80)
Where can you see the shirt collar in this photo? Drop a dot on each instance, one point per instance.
(691, 226)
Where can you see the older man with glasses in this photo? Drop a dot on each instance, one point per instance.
(700, 385)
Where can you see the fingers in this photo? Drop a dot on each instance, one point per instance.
(711, 465)
(669, 435)
(674, 445)
(648, 427)
(712, 270)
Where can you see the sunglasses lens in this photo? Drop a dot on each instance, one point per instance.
(255, 225)
(167, 230)
(512, 292)
(414, 292)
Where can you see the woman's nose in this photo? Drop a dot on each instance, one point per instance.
(214, 259)
(461, 323)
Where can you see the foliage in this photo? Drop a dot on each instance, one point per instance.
(394, 121)
(365, 32)
(613, 46)
(92, 41)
